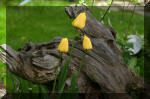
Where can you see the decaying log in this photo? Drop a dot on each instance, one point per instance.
(103, 65)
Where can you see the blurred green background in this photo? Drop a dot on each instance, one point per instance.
(2, 41)
(41, 24)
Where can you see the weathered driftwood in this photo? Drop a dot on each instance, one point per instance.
(103, 65)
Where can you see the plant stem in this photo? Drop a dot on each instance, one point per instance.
(63, 74)
(54, 84)
(75, 76)
(81, 63)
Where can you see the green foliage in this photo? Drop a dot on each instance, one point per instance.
(73, 88)
(81, 2)
(108, 2)
(137, 2)
(54, 84)
(2, 41)
(3, 2)
(42, 3)
(75, 77)
(63, 75)
(18, 85)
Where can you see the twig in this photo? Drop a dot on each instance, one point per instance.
(107, 11)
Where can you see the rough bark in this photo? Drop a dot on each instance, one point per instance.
(103, 65)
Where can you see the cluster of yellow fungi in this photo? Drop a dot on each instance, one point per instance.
(79, 22)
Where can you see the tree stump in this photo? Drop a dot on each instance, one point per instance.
(103, 68)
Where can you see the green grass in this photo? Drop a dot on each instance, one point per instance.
(41, 24)
(2, 39)
(47, 3)
(43, 3)
(37, 24)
